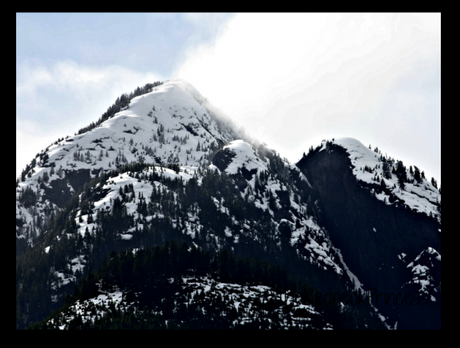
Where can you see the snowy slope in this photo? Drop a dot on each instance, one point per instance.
(268, 193)
(270, 187)
(423, 273)
(168, 120)
(420, 196)
(245, 156)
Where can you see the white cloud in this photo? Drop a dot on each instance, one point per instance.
(293, 79)
(206, 26)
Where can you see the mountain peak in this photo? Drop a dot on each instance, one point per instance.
(393, 181)
(170, 124)
(240, 154)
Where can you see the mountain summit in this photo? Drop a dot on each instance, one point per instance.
(170, 124)
(165, 206)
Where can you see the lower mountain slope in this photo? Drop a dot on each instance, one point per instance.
(177, 287)
(182, 287)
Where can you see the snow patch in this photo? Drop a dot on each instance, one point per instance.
(245, 156)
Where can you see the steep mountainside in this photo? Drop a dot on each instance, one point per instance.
(381, 224)
(344, 223)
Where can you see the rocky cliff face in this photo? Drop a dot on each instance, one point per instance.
(377, 239)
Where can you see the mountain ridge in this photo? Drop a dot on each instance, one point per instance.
(168, 167)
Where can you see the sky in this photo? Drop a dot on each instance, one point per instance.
(290, 79)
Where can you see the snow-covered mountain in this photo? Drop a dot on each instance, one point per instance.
(381, 216)
(172, 124)
(166, 166)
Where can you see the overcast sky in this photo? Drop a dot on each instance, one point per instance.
(290, 79)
